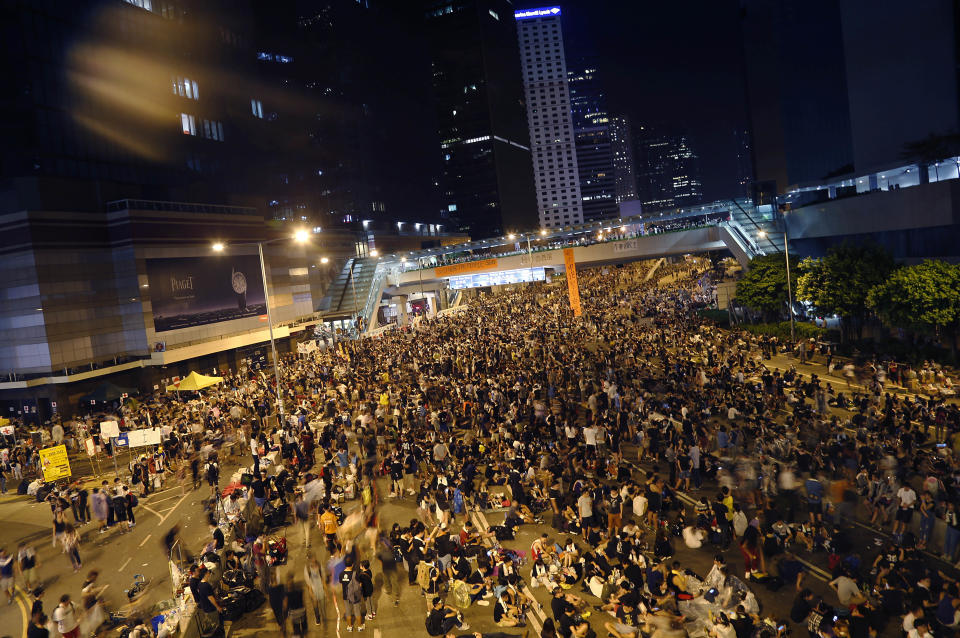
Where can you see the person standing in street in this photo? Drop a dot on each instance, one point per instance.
(100, 507)
(66, 617)
(27, 564)
(277, 596)
(313, 576)
(71, 544)
(6, 574)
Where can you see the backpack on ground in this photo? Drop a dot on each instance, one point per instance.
(460, 594)
(502, 532)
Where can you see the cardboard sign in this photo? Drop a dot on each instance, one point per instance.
(141, 438)
(54, 463)
(110, 428)
(120, 441)
(6, 430)
(91, 446)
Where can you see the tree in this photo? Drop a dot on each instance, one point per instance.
(923, 298)
(764, 286)
(838, 283)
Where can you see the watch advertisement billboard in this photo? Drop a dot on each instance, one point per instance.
(194, 291)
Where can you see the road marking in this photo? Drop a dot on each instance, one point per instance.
(125, 563)
(154, 501)
(144, 541)
(170, 511)
(153, 511)
(23, 608)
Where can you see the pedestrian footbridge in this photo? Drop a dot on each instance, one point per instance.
(613, 251)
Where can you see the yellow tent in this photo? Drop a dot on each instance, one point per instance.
(194, 381)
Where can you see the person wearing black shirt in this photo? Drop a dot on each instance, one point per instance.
(442, 619)
(218, 539)
(742, 623)
(559, 603)
(206, 599)
(37, 627)
(802, 605)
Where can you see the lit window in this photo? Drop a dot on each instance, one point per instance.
(264, 56)
(256, 106)
(451, 207)
(188, 124)
(284, 59)
(494, 14)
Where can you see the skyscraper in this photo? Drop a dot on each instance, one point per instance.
(552, 140)
(487, 177)
(624, 167)
(591, 125)
(671, 172)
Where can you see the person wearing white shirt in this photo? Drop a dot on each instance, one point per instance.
(921, 629)
(590, 437)
(908, 499)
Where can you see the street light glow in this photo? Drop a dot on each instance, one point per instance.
(217, 247)
(511, 236)
(301, 236)
(762, 234)
(374, 252)
(543, 232)
(324, 260)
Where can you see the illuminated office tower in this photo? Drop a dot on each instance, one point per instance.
(552, 141)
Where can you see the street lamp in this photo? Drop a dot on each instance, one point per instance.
(786, 252)
(300, 236)
(324, 260)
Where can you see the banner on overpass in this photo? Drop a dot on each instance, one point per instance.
(573, 288)
(470, 266)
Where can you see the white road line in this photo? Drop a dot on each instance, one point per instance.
(165, 498)
(144, 541)
(153, 511)
(125, 563)
(170, 511)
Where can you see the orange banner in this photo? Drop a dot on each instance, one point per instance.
(573, 288)
(469, 266)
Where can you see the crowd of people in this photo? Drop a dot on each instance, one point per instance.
(629, 432)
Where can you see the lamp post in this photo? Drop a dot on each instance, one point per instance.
(786, 253)
(301, 237)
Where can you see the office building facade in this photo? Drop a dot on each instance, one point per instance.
(486, 177)
(592, 131)
(837, 87)
(671, 172)
(552, 137)
(624, 166)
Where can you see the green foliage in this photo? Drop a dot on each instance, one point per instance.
(802, 329)
(838, 284)
(764, 286)
(924, 297)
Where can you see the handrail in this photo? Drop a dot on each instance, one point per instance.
(756, 225)
(350, 263)
(375, 292)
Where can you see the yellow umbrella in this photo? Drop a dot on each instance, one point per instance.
(194, 381)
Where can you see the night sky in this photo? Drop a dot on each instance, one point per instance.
(675, 65)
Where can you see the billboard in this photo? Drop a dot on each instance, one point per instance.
(194, 291)
(498, 278)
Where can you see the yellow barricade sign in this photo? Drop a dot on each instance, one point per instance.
(54, 463)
